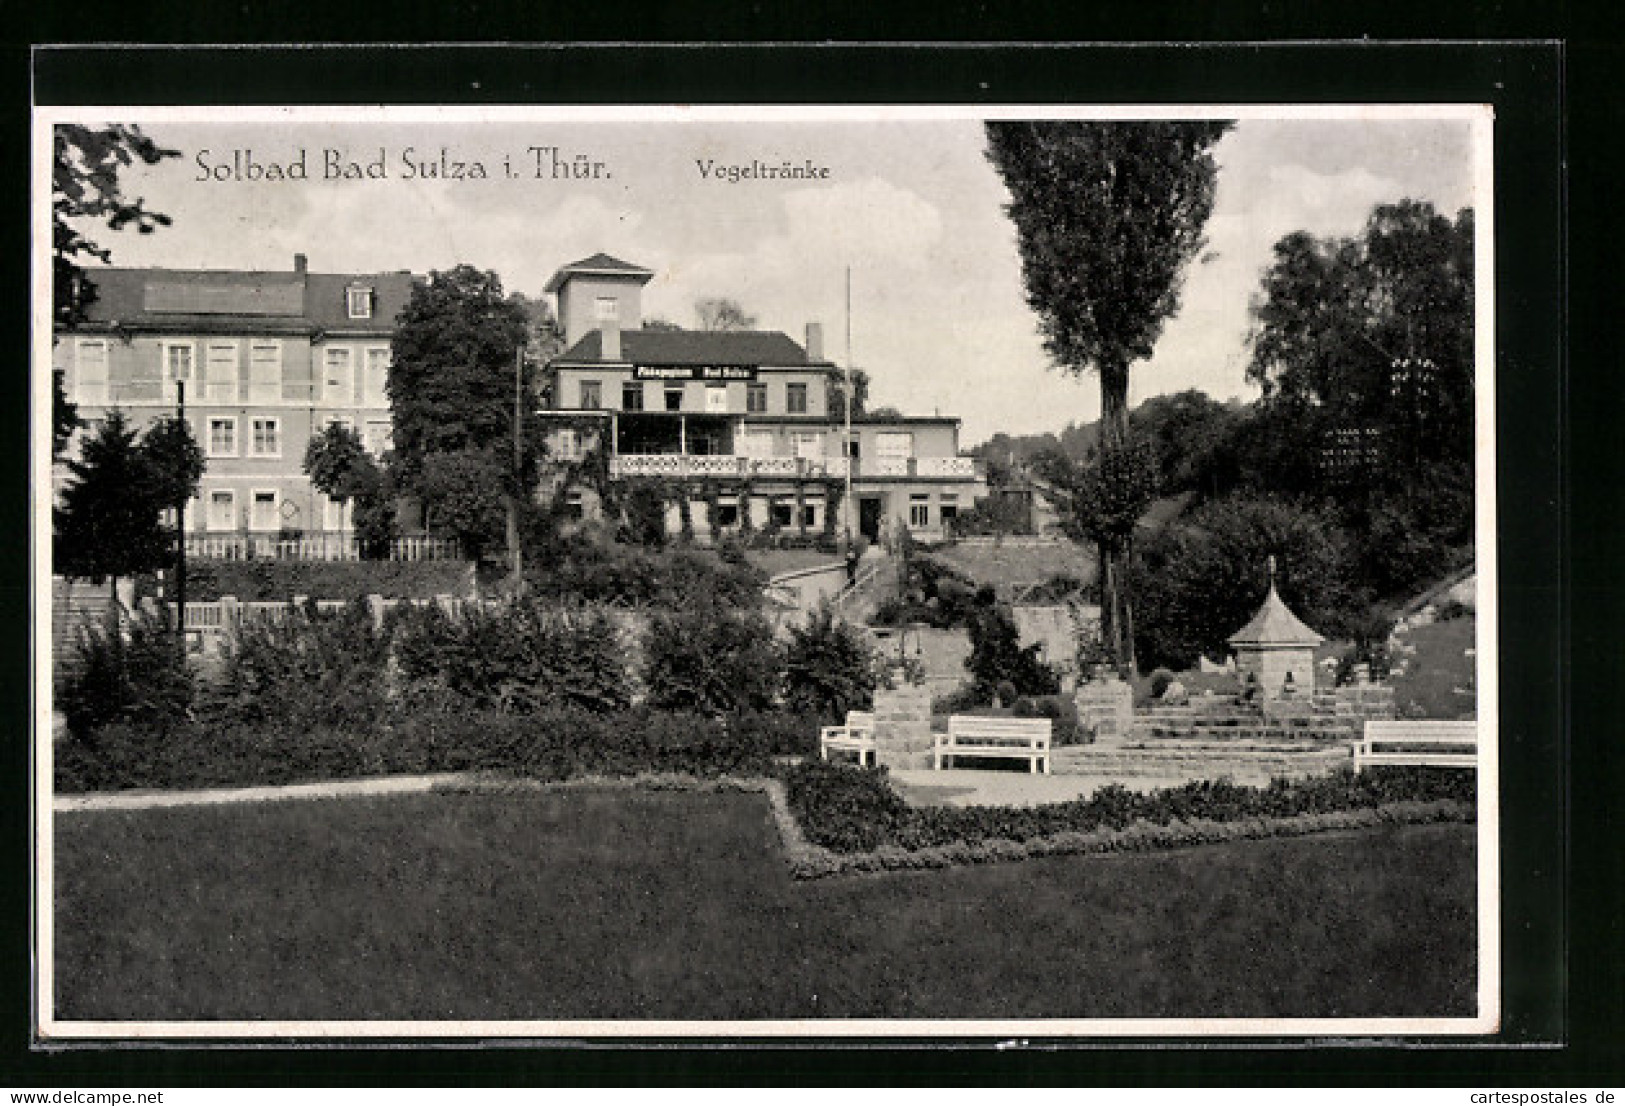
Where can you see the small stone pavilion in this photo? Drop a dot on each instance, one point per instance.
(1276, 645)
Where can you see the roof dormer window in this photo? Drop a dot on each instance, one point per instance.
(359, 302)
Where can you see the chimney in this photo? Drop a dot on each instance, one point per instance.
(609, 342)
(815, 341)
(300, 261)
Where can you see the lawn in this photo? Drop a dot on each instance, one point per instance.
(1440, 682)
(668, 905)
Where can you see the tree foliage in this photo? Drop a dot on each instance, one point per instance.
(1108, 214)
(64, 415)
(836, 393)
(462, 493)
(1375, 333)
(451, 380)
(1202, 578)
(722, 313)
(829, 667)
(85, 166)
(711, 658)
(340, 467)
(1102, 501)
(108, 523)
(997, 655)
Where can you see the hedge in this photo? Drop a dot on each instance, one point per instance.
(550, 744)
(850, 810)
(277, 581)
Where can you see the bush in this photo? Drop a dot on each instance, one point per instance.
(829, 668)
(845, 809)
(711, 658)
(134, 674)
(997, 656)
(259, 581)
(306, 668)
(518, 658)
(627, 575)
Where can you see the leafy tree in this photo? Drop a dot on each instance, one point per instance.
(721, 313)
(1193, 436)
(64, 415)
(462, 495)
(654, 322)
(1102, 502)
(85, 166)
(340, 467)
(107, 525)
(174, 459)
(829, 667)
(451, 390)
(1107, 215)
(1375, 333)
(1203, 577)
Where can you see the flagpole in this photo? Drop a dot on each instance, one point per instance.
(851, 398)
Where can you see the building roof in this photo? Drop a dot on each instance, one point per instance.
(222, 300)
(599, 264)
(1275, 625)
(696, 347)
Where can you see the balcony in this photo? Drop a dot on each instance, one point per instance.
(681, 465)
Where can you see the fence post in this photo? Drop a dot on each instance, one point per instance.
(375, 604)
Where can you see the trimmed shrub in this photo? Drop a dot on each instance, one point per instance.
(845, 809)
(134, 673)
(711, 658)
(514, 659)
(829, 667)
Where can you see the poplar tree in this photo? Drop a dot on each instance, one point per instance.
(1108, 215)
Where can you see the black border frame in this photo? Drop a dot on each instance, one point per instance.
(1524, 81)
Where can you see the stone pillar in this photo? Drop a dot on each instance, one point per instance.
(903, 728)
(1106, 706)
(375, 604)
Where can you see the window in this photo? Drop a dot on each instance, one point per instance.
(919, 510)
(756, 443)
(756, 398)
(336, 514)
(339, 379)
(341, 420)
(592, 395)
(222, 510)
(948, 507)
(265, 372)
(267, 438)
(674, 399)
(894, 445)
(606, 309)
(377, 437)
(727, 513)
(567, 444)
(375, 388)
(178, 358)
(574, 506)
(809, 515)
(783, 512)
(220, 372)
(716, 399)
(809, 445)
(222, 437)
(359, 302)
(796, 399)
(91, 367)
(262, 515)
(632, 396)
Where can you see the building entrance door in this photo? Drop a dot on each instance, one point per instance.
(869, 517)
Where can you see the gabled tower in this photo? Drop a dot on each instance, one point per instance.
(599, 293)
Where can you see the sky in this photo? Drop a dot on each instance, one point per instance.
(911, 206)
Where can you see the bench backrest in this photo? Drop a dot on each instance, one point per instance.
(1424, 732)
(860, 720)
(1036, 730)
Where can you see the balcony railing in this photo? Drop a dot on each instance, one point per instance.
(241, 546)
(690, 465)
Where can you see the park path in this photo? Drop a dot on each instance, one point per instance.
(325, 789)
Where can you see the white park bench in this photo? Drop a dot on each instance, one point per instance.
(1439, 744)
(857, 736)
(974, 735)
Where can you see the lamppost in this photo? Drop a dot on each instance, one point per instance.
(180, 524)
